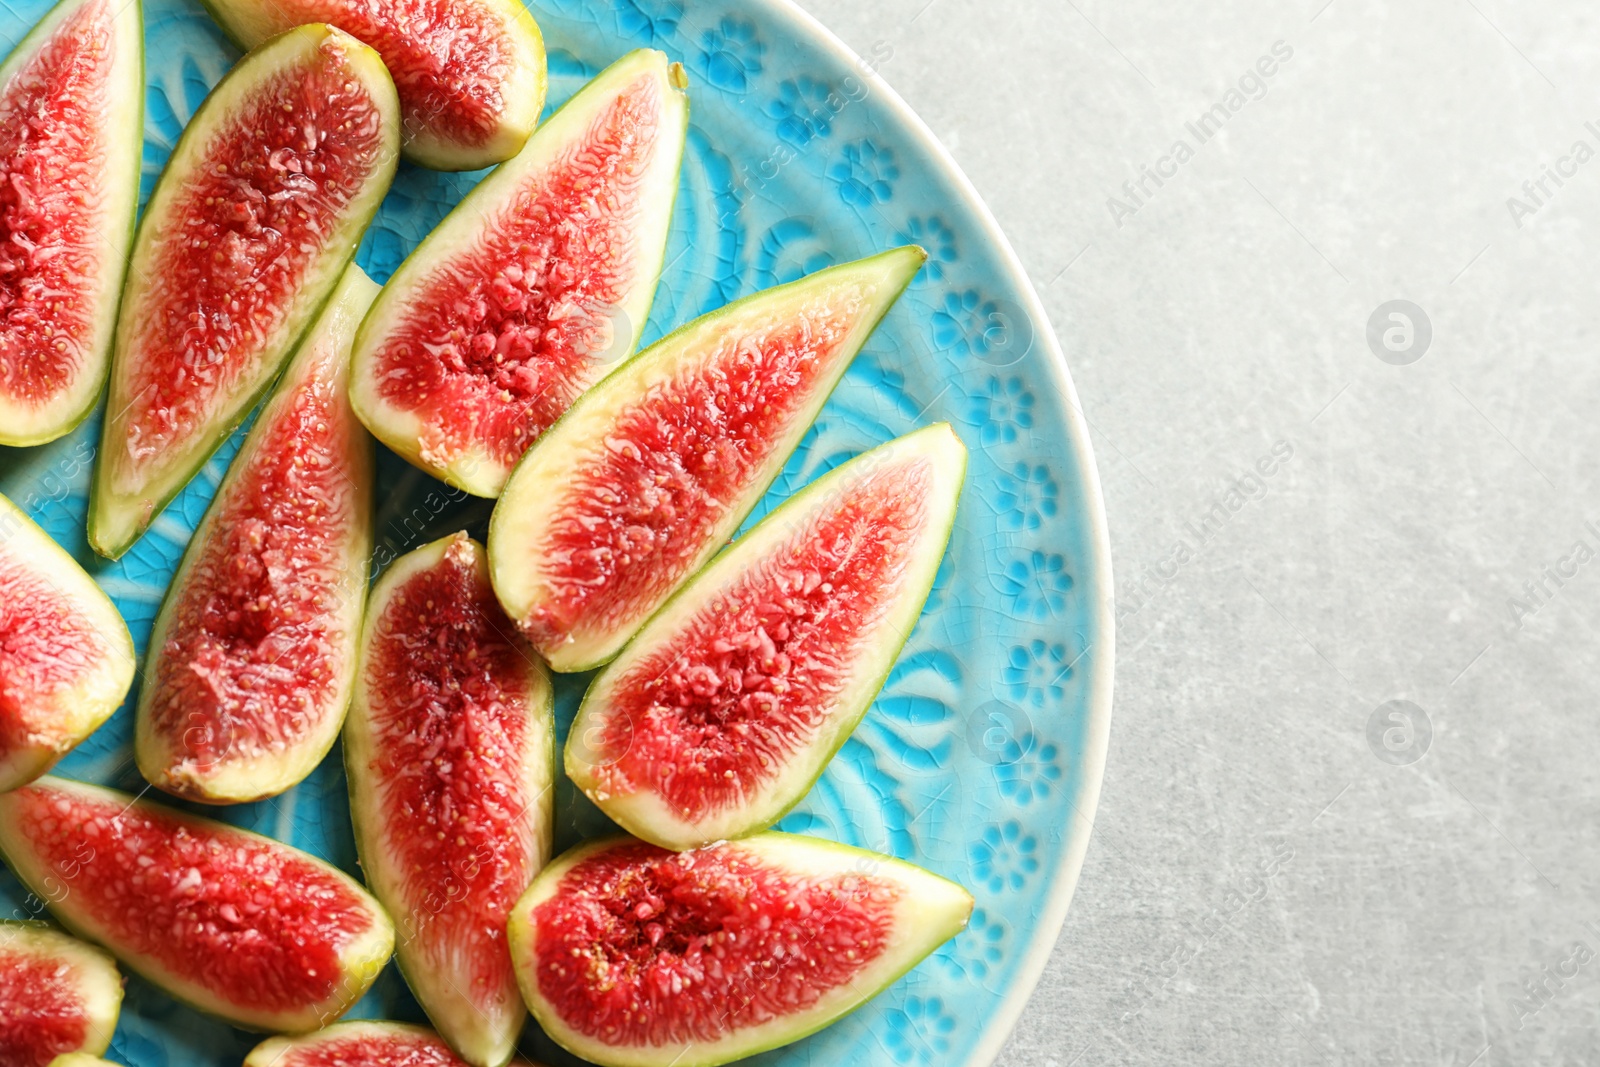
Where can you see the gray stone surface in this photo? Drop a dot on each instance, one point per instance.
(1411, 906)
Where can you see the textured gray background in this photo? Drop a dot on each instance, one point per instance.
(1262, 887)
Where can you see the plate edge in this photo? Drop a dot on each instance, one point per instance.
(1098, 733)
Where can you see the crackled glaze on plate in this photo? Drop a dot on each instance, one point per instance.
(981, 758)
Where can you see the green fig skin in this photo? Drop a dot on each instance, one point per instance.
(850, 299)
(475, 1007)
(934, 454)
(356, 1042)
(112, 213)
(52, 722)
(92, 972)
(317, 376)
(361, 955)
(453, 249)
(924, 911)
(393, 30)
(125, 497)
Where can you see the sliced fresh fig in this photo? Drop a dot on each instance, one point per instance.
(534, 288)
(450, 750)
(57, 995)
(66, 660)
(80, 1059)
(248, 231)
(71, 137)
(728, 705)
(253, 655)
(360, 1044)
(471, 73)
(654, 468)
(632, 955)
(236, 924)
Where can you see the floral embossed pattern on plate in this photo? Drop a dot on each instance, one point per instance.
(981, 758)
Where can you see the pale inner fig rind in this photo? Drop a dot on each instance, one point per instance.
(413, 47)
(361, 956)
(173, 758)
(52, 722)
(550, 477)
(480, 1019)
(126, 496)
(928, 911)
(109, 212)
(359, 1041)
(92, 971)
(937, 455)
(456, 249)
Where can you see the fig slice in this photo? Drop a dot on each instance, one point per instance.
(71, 139)
(470, 73)
(450, 751)
(629, 954)
(723, 711)
(66, 659)
(57, 995)
(253, 931)
(360, 1044)
(253, 655)
(80, 1059)
(654, 468)
(250, 227)
(535, 287)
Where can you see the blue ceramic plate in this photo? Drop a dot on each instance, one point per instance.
(982, 757)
